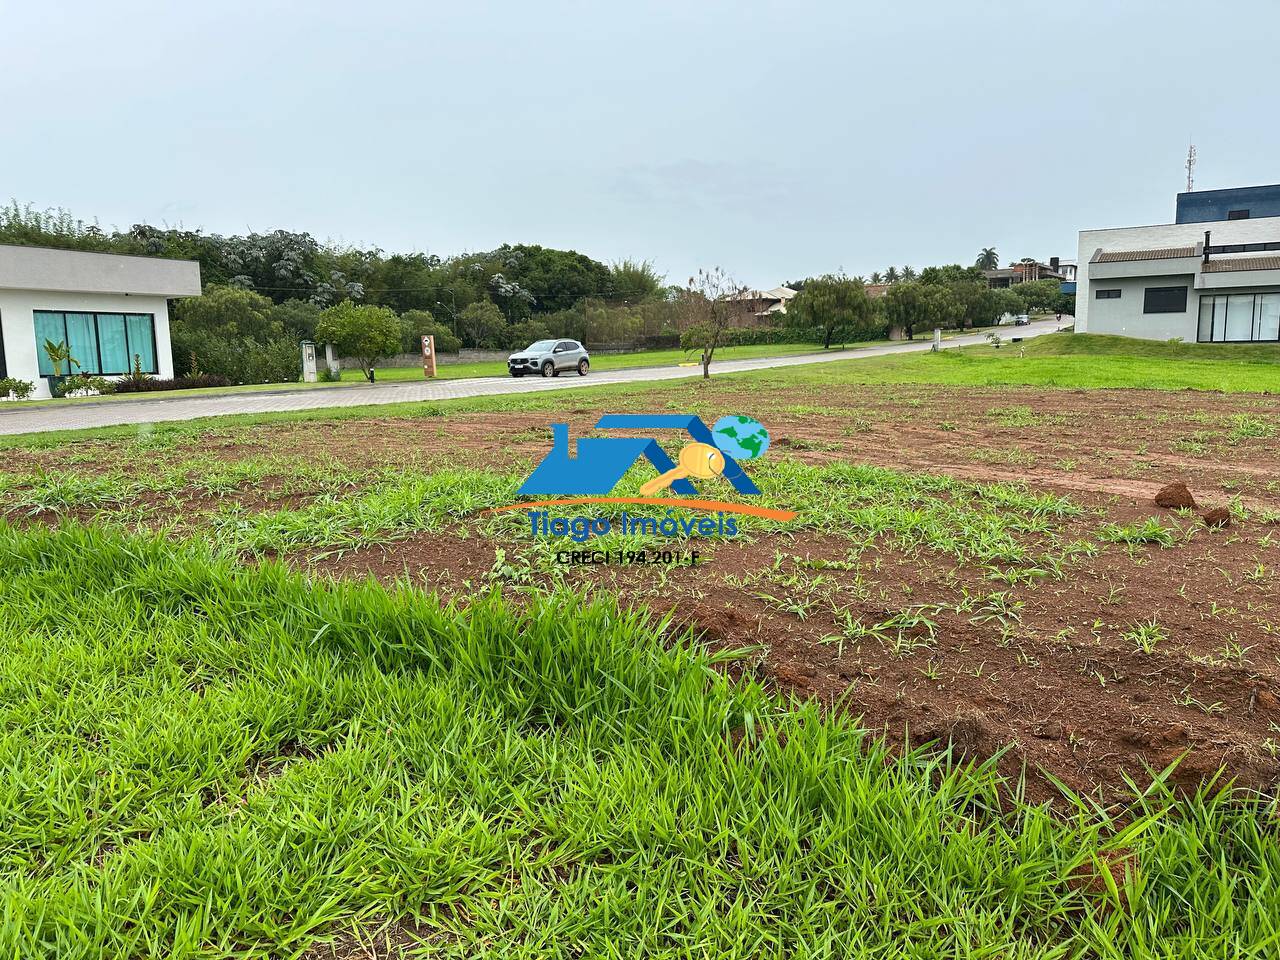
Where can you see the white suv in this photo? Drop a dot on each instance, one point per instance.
(550, 358)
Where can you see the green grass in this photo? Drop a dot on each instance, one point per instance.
(205, 760)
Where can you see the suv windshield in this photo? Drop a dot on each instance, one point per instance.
(540, 345)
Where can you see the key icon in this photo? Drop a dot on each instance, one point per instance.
(697, 460)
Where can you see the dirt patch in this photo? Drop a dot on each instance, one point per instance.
(1126, 659)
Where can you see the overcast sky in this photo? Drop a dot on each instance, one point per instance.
(777, 140)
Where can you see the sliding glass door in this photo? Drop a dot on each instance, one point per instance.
(1239, 318)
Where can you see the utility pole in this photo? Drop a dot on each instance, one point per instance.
(1191, 166)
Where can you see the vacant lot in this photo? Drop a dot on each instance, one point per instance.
(979, 567)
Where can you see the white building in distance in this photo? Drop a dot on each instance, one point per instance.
(111, 310)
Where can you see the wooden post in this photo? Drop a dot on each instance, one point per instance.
(428, 356)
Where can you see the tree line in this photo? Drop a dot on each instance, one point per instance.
(265, 292)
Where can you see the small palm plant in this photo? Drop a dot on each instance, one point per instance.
(58, 354)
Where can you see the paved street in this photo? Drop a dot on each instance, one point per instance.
(17, 418)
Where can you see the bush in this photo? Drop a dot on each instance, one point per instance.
(86, 385)
(150, 384)
(695, 336)
(12, 387)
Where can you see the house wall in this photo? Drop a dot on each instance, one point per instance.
(1124, 317)
(17, 322)
(1152, 237)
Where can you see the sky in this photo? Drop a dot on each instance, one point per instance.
(775, 140)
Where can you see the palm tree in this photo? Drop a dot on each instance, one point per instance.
(876, 278)
(908, 273)
(987, 259)
(891, 275)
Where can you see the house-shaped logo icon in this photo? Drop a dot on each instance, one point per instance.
(597, 464)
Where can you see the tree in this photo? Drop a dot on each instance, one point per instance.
(837, 307)
(876, 278)
(416, 324)
(482, 325)
(228, 313)
(634, 281)
(987, 259)
(297, 318)
(891, 275)
(904, 308)
(367, 333)
(714, 302)
(908, 273)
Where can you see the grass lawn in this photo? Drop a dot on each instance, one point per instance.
(209, 754)
(205, 759)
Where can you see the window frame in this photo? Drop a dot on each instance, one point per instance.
(97, 339)
(1148, 291)
(1107, 293)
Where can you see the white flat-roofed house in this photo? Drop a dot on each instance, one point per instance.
(1207, 282)
(111, 310)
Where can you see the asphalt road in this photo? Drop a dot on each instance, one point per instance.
(75, 415)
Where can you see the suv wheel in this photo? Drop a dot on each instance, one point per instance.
(583, 367)
(548, 368)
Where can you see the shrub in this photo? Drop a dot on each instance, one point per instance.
(13, 388)
(189, 382)
(695, 336)
(86, 385)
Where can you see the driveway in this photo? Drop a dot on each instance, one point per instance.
(81, 415)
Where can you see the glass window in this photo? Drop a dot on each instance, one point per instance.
(100, 342)
(1240, 317)
(1204, 333)
(1268, 316)
(1164, 300)
(1107, 295)
(49, 326)
(83, 341)
(142, 341)
(112, 346)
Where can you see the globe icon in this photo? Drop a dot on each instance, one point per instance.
(741, 437)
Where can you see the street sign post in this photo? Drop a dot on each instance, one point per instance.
(428, 356)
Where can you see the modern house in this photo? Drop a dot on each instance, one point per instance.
(1204, 281)
(111, 310)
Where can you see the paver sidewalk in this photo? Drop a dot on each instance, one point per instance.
(75, 416)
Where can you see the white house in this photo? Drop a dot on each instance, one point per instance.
(1207, 282)
(109, 309)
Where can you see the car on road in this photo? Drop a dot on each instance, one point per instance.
(1021, 320)
(550, 358)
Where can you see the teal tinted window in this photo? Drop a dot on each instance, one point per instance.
(112, 345)
(101, 343)
(141, 329)
(49, 326)
(83, 342)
